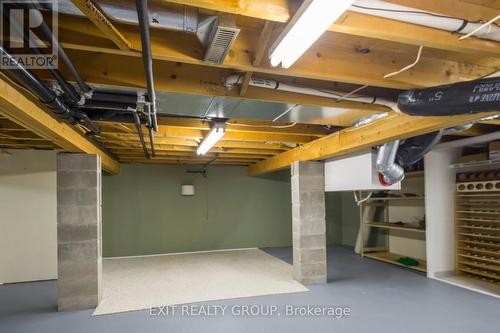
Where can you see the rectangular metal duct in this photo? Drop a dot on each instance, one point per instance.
(215, 33)
(221, 41)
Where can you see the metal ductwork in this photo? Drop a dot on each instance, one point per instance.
(389, 171)
(215, 33)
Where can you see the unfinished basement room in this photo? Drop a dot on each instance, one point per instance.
(249, 166)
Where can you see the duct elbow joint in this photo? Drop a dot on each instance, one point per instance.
(390, 172)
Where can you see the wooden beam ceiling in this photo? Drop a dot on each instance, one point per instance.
(358, 49)
(335, 57)
(99, 19)
(355, 139)
(370, 26)
(19, 109)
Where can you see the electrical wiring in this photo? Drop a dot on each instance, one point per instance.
(360, 201)
(407, 67)
(486, 24)
(285, 112)
(268, 126)
(415, 12)
(352, 92)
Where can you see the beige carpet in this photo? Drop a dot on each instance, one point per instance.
(139, 283)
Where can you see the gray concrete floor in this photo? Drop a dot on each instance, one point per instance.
(382, 298)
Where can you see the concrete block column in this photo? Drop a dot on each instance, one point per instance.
(79, 252)
(309, 223)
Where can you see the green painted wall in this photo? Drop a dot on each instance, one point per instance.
(144, 212)
(349, 218)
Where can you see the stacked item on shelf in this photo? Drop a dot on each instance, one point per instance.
(477, 215)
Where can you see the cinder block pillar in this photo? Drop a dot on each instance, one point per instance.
(309, 226)
(79, 253)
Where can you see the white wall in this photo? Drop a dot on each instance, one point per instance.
(28, 221)
(439, 211)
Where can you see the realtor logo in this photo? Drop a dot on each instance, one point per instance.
(26, 34)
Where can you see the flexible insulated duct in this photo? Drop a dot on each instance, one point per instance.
(386, 165)
(453, 99)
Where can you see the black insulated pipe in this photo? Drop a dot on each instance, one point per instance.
(414, 149)
(84, 88)
(453, 99)
(65, 86)
(45, 95)
(143, 16)
(137, 122)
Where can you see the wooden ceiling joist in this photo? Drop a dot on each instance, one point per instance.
(19, 109)
(355, 139)
(99, 19)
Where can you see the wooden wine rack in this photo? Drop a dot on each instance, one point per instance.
(477, 219)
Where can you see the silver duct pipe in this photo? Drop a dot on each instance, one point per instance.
(386, 163)
(216, 34)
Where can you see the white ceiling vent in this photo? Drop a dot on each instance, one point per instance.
(223, 38)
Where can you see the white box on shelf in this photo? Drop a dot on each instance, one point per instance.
(354, 173)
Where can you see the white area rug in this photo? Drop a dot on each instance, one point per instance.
(139, 283)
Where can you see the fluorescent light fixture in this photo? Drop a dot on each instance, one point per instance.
(306, 26)
(215, 134)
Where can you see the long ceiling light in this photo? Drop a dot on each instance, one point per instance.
(215, 134)
(306, 26)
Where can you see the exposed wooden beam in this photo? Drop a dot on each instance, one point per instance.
(193, 79)
(176, 132)
(390, 30)
(335, 57)
(234, 126)
(21, 110)
(131, 146)
(264, 38)
(370, 26)
(99, 19)
(259, 54)
(355, 139)
(273, 10)
(245, 83)
(113, 139)
(189, 162)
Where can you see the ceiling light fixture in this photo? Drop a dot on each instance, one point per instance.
(215, 134)
(306, 26)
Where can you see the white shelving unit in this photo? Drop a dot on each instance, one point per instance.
(381, 219)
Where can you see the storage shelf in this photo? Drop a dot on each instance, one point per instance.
(481, 250)
(487, 267)
(480, 212)
(479, 235)
(478, 227)
(395, 198)
(394, 226)
(478, 257)
(478, 272)
(489, 244)
(478, 219)
(473, 164)
(478, 230)
(393, 259)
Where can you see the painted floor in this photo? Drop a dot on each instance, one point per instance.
(380, 297)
